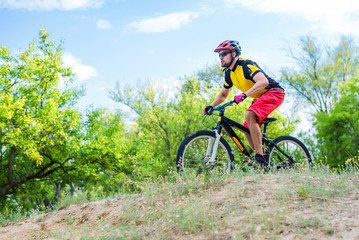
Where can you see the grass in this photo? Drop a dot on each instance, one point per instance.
(236, 205)
(65, 200)
(11, 216)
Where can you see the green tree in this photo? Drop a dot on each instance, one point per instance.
(104, 152)
(38, 123)
(319, 78)
(320, 70)
(338, 131)
(46, 143)
(163, 122)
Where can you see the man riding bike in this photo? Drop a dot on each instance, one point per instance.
(248, 77)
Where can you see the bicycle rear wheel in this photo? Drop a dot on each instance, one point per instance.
(196, 150)
(292, 154)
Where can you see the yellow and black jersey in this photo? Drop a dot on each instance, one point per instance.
(242, 75)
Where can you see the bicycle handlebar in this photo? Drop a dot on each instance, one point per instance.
(222, 107)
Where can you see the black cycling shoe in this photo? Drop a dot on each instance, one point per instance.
(261, 160)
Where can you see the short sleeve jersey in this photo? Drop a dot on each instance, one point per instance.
(242, 76)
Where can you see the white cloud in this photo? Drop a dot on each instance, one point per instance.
(50, 4)
(172, 21)
(335, 16)
(103, 24)
(83, 72)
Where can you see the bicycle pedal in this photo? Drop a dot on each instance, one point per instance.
(249, 162)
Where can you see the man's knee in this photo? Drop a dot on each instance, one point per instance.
(250, 116)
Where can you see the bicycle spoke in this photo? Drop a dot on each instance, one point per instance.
(292, 154)
(198, 151)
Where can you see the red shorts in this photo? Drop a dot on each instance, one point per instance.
(266, 104)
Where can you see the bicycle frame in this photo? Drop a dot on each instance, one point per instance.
(228, 124)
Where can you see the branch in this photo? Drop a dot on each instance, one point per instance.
(48, 172)
(12, 183)
(35, 175)
(168, 143)
(306, 96)
(62, 164)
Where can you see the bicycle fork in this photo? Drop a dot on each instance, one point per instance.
(212, 148)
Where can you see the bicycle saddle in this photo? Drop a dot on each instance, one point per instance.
(268, 120)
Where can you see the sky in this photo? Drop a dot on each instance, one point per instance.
(133, 41)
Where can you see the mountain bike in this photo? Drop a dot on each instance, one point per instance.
(208, 149)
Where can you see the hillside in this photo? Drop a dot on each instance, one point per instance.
(287, 205)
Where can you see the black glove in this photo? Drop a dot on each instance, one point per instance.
(208, 110)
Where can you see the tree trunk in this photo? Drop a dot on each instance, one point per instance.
(58, 189)
(10, 181)
(47, 203)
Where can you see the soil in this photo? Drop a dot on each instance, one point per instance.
(304, 221)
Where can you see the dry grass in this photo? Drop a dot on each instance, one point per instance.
(281, 205)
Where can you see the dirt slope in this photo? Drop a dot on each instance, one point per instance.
(59, 222)
(271, 206)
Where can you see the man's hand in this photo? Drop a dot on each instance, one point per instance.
(208, 110)
(240, 98)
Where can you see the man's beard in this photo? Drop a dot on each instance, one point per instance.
(225, 65)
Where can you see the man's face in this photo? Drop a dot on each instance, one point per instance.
(225, 57)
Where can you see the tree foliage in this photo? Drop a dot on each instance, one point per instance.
(48, 146)
(38, 123)
(46, 143)
(163, 121)
(327, 78)
(338, 131)
(320, 70)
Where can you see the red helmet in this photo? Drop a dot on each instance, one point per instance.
(229, 45)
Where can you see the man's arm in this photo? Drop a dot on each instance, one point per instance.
(261, 83)
(221, 97)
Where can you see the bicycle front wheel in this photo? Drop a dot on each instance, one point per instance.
(289, 152)
(196, 151)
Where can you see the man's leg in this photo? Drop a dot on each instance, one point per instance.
(263, 106)
(255, 139)
(249, 140)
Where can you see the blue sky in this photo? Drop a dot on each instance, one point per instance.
(132, 41)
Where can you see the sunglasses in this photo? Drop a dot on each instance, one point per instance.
(223, 54)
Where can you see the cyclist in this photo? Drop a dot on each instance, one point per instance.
(249, 78)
